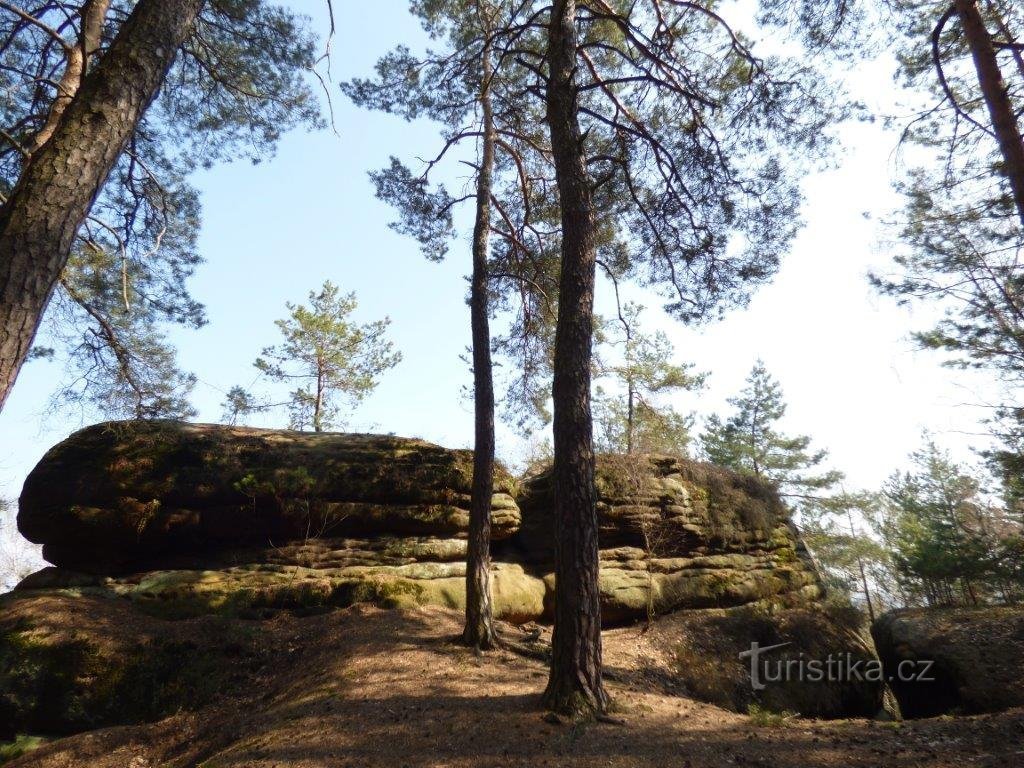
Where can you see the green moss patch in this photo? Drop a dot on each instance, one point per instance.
(59, 683)
(20, 745)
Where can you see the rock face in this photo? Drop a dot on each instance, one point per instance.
(677, 534)
(969, 657)
(258, 590)
(187, 519)
(700, 651)
(122, 497)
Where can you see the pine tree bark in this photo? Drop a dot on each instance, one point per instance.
(575, 687)
(997, 97)
(93, 14)
(479, 630)
(60, 181)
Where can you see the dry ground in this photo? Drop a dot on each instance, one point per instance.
(365, 688)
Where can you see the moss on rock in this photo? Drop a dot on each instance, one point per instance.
(678, 534)
(126, 496)
(252, 590)
(72, 664)
(706, 647)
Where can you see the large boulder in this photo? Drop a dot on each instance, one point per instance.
(131, 496)
(953, 660)
(677, 534)
(186, 519)
(705, 654)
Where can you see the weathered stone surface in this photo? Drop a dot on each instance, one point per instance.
(677, 534)
(226, 520)
(972, 657)
(118, 497)
(256, 590)
(700, 652)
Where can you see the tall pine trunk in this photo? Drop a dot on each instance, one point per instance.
(574, 687)
(997, 97)
(479, 630)
(62, 179)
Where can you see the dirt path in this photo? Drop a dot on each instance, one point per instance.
(367, 688)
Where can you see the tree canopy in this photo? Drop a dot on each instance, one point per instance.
(236, 84)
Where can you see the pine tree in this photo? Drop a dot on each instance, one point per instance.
(678, 157)
(110, 104)
(831, 519)
(239, 403)
(852, 558)
(633, 418)
(946, 537)
(673, 156)
(962, 228)
(750, 441)
(328, 357)
(474, 101)
(964, 220)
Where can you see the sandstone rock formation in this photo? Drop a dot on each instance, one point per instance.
(163, 526)
(957, 660)
(677, 534)
(699, 652)
(130, 496)
(187, 519)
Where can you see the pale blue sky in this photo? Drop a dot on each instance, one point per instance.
(273, 232)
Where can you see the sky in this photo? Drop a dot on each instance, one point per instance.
(273, 232)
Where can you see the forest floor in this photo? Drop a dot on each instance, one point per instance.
(364, 688)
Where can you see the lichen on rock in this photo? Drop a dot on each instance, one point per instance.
(128, 496)
(677, 534)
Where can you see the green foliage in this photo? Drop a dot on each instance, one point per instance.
(950, 544)
(634, 417)
(749, 441)
(849, 555)
(21, 745)
(696, 186)
(447, 85)
(854, 562)
(961, 234)
(762, 717)
(237, 404)
(285, 483)
(238, 83)
(695, 172)
(328, 356)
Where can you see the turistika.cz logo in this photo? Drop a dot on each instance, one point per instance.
(835, 668)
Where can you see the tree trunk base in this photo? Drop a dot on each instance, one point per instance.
(482, 638)
(576, 701)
